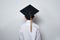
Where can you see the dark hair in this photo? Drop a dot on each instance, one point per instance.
(28, 17)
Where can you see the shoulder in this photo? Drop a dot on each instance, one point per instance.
(36, 26)
(24, 26)
(21, 26)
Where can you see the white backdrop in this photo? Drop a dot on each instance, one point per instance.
(48, 18)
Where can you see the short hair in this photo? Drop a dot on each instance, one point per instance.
(28, 17)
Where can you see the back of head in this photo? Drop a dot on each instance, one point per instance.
(28, 17)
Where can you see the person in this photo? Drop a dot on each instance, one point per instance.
(29, 30)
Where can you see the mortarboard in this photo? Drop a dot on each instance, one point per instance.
(29, 11)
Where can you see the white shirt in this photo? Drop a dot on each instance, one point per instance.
(25, 34)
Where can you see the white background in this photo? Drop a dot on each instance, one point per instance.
(48, 18)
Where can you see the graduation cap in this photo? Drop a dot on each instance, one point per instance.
(29, 12)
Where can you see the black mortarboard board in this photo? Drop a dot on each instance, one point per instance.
(29, 11)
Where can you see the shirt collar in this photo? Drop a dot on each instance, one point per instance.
(28, 21)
